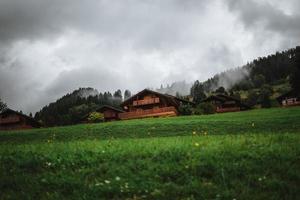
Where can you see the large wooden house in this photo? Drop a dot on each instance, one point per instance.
(12, 120)
(291, 98)
(224, 103)
(146, 103)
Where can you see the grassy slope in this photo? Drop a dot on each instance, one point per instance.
(246, 155)
(265, 120)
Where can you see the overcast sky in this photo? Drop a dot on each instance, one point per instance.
(51, 47)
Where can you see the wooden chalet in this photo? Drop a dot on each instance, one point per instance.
(225, 103)
(146, 103)
(291, 98)
(12, 120)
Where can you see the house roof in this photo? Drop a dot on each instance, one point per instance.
(101, 109)
(289, 94)
(172, 99)
(223, 98)
(30, 119)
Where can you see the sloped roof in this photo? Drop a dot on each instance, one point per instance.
(101, 109)
(30, 119)
(289, 94)
(223, 98)
(170, 98)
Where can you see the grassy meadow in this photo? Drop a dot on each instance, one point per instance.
(243, 155)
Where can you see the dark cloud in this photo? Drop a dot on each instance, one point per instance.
(264, 16)
(151, 23)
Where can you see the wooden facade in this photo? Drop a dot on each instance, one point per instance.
(224, 103)
(291, 98)
(12, 120)
(110, 113)
(146, 103)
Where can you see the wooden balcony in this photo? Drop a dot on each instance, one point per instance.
(155, 112)
(290, 102)
(232, 109)
(9, 120)
(145, 102)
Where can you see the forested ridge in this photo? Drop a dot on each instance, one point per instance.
(263, 70)
(71, 108)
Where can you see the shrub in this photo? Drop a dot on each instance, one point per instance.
(185, 109)
(205, 108)
(265, 94)
(274, 103)
(252, 98)
(95, 117)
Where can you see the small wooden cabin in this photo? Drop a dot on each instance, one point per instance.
(148, 103)
(291, 98)
(13, 120)
(224, 103)
(110, 113)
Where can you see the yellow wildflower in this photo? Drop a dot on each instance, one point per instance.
(196, 144)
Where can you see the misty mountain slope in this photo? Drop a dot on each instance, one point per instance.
(268, 70)
(272, 69)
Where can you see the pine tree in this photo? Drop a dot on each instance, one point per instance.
(2, 105)
(197, 92)
(295, 79)
(127, 94)
(118, 94)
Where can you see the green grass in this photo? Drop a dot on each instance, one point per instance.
(245, 155)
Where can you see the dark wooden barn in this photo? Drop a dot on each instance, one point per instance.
(224, 103)
(291, 98)
(110, 113)
(13, 120)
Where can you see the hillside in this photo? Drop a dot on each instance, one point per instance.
(275, 70)
(71, 108)
(244, 155)
(271, 69)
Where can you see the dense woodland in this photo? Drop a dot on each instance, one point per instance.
(71, 108)
(256, 78)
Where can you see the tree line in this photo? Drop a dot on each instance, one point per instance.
(71, 108)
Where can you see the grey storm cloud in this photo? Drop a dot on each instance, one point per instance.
(49, 48)
(264, 15)
(146, 21)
